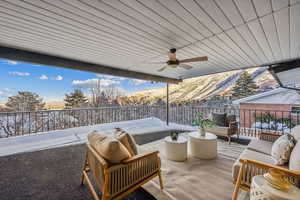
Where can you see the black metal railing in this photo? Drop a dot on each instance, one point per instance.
(20, 123)
(251, 121)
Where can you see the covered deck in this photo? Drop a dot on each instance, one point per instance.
(49, 165)
(124, 38)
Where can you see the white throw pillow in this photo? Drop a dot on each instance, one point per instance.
(295, 132)
(281, 149)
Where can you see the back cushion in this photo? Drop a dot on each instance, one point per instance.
(229, 119)
(108, 147)
(127, 140)
(295, 158)
(219, 119)
(295, 132)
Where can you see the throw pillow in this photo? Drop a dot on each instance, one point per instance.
(295, 158)
(281, 149)
(295, 132)
(127, 140)
(219, 119)
(108, 147)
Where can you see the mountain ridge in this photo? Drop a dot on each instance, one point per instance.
(205, 87)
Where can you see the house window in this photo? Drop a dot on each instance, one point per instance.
(295, 109)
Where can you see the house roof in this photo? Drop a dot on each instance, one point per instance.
(124, 35)
(275, 96)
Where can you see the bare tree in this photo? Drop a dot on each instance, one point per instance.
(96, 92)
(103, 95)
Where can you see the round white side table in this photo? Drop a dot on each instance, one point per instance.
(261, 190)
(176, 150)
(204, 147)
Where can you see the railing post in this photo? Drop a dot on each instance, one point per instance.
(167, 105)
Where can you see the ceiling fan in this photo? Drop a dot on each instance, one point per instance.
(174, 62)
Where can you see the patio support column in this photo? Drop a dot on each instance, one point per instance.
(167, 104)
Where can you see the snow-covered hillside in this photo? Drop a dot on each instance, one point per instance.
(207, 86)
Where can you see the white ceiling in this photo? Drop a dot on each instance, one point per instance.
(234, 34)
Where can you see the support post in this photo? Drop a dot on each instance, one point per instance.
(167, 104)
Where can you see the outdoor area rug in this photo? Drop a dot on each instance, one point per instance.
(51, 174)
(196, 178)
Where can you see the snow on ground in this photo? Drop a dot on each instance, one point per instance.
(78, 135)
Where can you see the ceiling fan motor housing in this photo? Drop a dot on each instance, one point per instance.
(173, 62)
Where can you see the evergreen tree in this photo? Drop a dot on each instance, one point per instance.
(75, 99)
(245, 86)
(25, 101)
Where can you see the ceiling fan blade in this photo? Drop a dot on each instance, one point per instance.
(155, 63)
(185, 66)
(163, 68)
(197, 59)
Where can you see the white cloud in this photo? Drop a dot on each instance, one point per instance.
(19, 73)
(136, 82)
(43, 77)
(57, 78)
(119, 78)
(4, 92)
(11, 62)
(92, 82)
(7, 89)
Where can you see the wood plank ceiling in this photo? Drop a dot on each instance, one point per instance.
(123, 34)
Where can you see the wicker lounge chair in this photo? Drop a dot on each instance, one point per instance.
(232, 129)
(117, 181)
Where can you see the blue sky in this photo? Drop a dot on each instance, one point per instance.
(51, 83)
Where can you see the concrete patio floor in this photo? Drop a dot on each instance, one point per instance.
(50, 174)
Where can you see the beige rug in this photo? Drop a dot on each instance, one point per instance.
(196, 178)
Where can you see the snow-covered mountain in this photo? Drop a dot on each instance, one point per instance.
(208, 86)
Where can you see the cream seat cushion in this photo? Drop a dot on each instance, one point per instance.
(261, 146)
(108, 147)
(127, 140)
(218, 130)
(251, 155)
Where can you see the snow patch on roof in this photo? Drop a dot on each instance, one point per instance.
(276, 96)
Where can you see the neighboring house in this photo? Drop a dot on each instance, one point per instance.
(277, 109)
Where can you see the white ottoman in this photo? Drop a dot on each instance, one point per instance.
(204, 147)
(176, 150)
